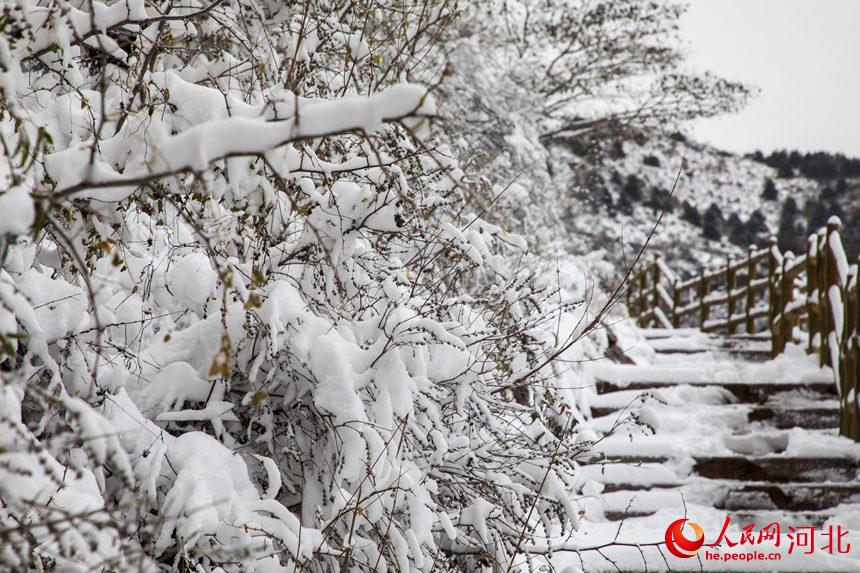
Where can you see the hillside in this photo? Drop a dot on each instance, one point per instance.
(719, 206)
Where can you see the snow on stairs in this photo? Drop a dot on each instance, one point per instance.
(712, 422)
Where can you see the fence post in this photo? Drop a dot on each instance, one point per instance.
(831, 279)
(731, 285)
(703, 294)
(643, 286)
(813, 318)
(849, 425)
(750, 302)
(676, 302)
(854, 365)
(786, 322)
(776, 343)
(823, 306)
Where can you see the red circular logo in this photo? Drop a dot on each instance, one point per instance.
(679, 545)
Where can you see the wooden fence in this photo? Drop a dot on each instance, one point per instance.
(811, 299)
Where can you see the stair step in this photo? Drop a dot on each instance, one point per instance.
(750, 354)
(760, 518)
(791, 497)
(736, 497)
(778, 469)
(745, 392)
(773, 416)
(659, 333)
(808, 418)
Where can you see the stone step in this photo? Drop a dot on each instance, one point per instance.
(743, 354)
(772, 415)
(731, 497)
(745, 392)
(778, 469)
(809, 418)
(760, 517)
(791, 497)
(661, 333)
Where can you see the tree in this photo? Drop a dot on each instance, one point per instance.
(790, 234)
(690, 214)
(785, 171)
(770, 192)
(713, 223)
(756, 228)
(584, 73)
(737, 231)
(651, 161)
(252, 316)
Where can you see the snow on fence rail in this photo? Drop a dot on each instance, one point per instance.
(813, 297)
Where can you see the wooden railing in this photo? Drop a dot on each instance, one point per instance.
(811, 299)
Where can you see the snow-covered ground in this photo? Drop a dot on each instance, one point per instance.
(681, 413)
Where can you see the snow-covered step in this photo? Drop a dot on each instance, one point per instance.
(761, 518)
(751, 392)
(808, 418)
(617, 476)
(714, 431)
(669, 394)
(710, 348)
(771, 469)
(769, 415)
(732, 497)
(778, 469)
(791, 497)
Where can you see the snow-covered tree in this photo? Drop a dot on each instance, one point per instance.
(253, 313)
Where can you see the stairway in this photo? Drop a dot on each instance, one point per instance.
(714, 428)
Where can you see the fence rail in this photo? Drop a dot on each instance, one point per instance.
(811, 299)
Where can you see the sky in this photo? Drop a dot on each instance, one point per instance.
(803, 55)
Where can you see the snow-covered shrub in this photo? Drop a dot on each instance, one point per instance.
(252, 316)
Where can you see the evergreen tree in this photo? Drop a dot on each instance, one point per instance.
(790, 233)
(631, 194)
(690, 214)
(737, 230)
(657, 198)
(713, 223)
(756, 228)
(651, 161)
(633, 189)
(770, 193)
(785, 172)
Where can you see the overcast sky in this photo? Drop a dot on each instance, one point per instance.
(804, 56)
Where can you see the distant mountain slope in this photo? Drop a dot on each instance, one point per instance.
(723, 202)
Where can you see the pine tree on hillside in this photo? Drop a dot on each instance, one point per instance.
(756, 228)
(690, 214)
(713, 223)
(770, 192)
(785, 172)
(631, 194)
(737, 230)
(790, 233)
(633, 189)
(659, 198)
